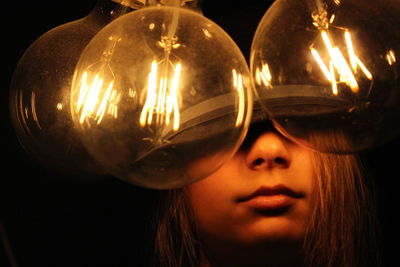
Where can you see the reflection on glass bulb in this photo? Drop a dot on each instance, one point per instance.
(238, 84)
(391, 58)
(264, 76)
(328, 66)
(154, 94)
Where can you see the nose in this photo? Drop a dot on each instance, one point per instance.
(269, 150)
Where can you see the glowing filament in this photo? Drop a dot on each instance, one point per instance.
(352, 55)
(364, 69)
(103, 106)
(332, 19)
(345, 73)
(333, 78)
(162, 100)
(321, 64)
(92, 103)
(338, 64)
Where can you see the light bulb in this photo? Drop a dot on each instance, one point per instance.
(162, 97)
(327, 72)
(40, 93)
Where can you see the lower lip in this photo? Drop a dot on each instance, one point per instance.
(272, 202)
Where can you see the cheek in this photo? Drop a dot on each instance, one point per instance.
(207, 197)
(212, 200)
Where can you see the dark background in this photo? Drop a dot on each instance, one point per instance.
(51, 220)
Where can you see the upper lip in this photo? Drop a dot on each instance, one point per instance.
(271, 191)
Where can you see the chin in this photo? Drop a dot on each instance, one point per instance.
(275, 230)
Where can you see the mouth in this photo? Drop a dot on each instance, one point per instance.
(272, 199)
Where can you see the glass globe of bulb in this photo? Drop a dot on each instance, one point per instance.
(326, 72)
(161, 97)
(40, 93)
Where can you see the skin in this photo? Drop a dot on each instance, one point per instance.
(234, 233)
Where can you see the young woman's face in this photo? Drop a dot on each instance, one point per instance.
(261, 195)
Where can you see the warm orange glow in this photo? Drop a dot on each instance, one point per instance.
(338, 63)
(162, 97)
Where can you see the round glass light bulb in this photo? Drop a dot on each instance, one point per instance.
(162, 97)
(327, 71)
(40, 93)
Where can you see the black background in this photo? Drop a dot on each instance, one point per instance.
(51, 220)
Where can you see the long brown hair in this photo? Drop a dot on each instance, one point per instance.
(342, 229)
(341, 232)
(176, 242)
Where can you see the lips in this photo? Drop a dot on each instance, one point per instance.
(271, 198)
